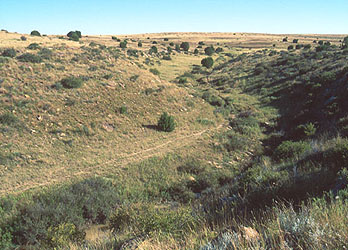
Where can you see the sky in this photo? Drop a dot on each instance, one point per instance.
(152, 16)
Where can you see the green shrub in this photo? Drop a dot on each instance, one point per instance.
(185, 46)
(9, 53)
(35, 33)
(52, 212)
(209, 51)
(337, 157)
(23, 38)
(219, 49)
(74, 37)
(5, 239)
(153, 49)
(207, 62)
(308, 129)
(167, 58)
(60, 236)
(28, 57)
(196, 52)
(285, 39)
(8, 119)
(114, 38)
(166, 123)
(295, 41)
(140, 44)
(123, 110)
(298, 46)
(177, 47)
(71, 82)
(171, 44)
(289, 149)
(155, 72)
(291, 47)
(153, 220)
(33, 46)
(123, 44)
(3, 60)
(213, 99)
(192, 166)
(132, 52)
(45, 53)
(166, 39)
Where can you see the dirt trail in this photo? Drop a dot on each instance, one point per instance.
(62, 174)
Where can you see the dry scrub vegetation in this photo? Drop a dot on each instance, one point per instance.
(140, 141)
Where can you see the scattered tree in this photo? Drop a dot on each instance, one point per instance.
(123, 44)
(153, 49)
(207, 62)
(209, 51)
(35, 33)
(185, 46)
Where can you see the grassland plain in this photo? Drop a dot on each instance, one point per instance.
(83, 165)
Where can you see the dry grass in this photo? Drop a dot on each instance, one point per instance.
(51, 117)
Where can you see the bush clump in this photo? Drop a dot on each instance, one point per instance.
(33, 46)
(23, 38)
(61, 213)
(123, 44)
(166, 123)
(74, 35)
(9, 53)
(153, 220)
(71, 82)
(337, 156)
(290, 149)
(35, 33)
(8, 119)
(153, 49)
(28, 57)
(155, 72)
(209, 51)
(185, 46)
(207, 62)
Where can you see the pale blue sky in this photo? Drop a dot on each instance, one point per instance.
(147, 16)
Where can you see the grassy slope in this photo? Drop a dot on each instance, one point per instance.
(70, 132)
(234, 170)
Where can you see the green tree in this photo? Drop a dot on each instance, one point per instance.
(185, 46)
(74, 37)
(153, 49)
(35, 33)
(209, 51)
(207, 62)
(123, 44)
